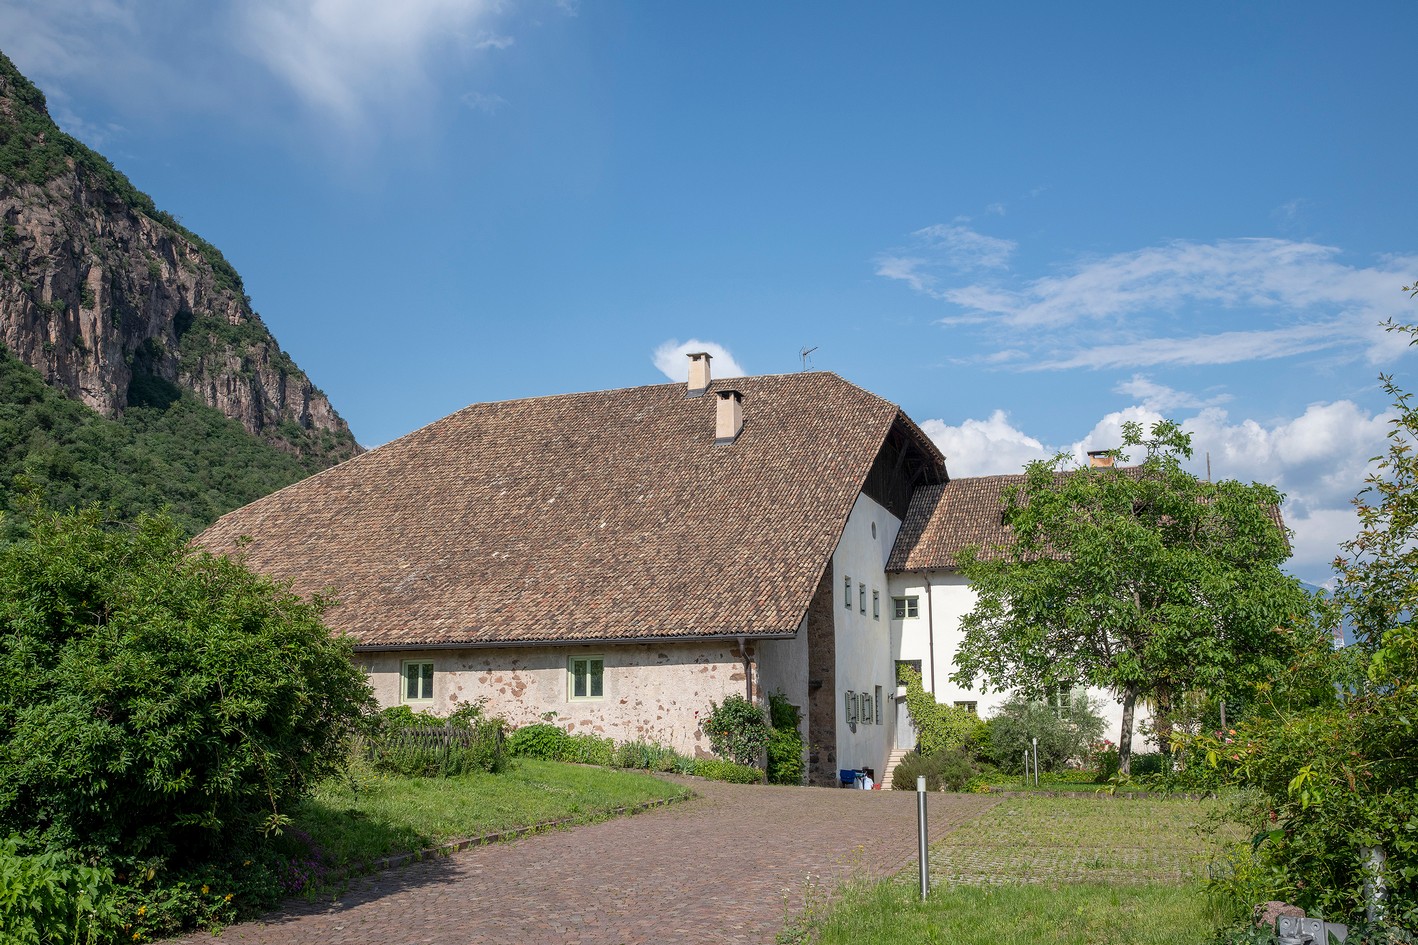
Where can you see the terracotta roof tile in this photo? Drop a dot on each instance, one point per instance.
(596, 516)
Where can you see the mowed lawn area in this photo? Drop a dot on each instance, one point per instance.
(1102, 870)
(356, 821)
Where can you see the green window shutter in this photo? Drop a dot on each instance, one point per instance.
(598, 671)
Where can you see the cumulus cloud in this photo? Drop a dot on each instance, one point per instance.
(985, 447)
(672, 359)
(1318, 459)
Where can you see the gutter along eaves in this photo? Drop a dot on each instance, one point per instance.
(601, 641)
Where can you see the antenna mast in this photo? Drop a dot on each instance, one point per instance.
(804, 353)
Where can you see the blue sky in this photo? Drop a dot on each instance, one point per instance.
(1022, 222)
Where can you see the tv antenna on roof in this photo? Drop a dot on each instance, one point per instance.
(804, 353)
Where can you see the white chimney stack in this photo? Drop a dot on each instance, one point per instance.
(728, 417)
(698, 373)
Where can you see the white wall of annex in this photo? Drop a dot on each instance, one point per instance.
(945, 597)
(864, 661)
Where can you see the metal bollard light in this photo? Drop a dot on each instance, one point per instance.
(1036, 762)
(922, 851)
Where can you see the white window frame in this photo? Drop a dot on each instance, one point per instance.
(573, 673)
(906, 608)
(969, 705)
(420, 681)
(866, 709)
(852, 707)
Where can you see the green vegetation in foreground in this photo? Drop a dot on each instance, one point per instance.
(360, 819)
(167, 451)
(1043, 869)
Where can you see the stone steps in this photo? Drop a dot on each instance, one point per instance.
(891, 762)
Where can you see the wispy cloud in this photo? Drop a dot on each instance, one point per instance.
(940, 249)
(1160, 397)
(343, 57)
(1180, 303)
(671, 358)
(485, 102)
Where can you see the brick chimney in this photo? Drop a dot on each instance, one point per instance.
(728, 416)
(1099, 459)
(698, 374)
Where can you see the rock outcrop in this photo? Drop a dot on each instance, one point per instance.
(108, 297)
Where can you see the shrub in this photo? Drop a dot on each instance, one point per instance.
(45, 898)
(949, 770)
(1061, 740)
(157, 701)
(588, 749)
(543, 740)
(737, 730)
(716, 769)
(418, 745)
(785, 742)
(648, 756)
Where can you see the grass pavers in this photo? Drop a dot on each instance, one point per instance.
(1084, 871)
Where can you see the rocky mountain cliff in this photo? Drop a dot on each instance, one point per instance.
(116, 303)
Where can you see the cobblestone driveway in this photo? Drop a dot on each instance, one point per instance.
(714, 869)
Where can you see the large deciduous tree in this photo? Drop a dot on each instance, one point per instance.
(1144, 580)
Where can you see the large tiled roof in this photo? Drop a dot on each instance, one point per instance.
(597, 516)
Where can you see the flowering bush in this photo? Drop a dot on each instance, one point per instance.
(737, 730)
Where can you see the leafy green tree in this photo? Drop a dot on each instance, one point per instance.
(156, 701)
(1062, 736)
(1143, 580)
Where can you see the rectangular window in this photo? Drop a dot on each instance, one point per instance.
(913, 664)
(418, 681)
(878, 705)
(866, 711)
(972, 707)
(586, 677)
(906, 607)
(1061, 699)
(847, 592)
(876, 605)
(851, 701)
(862, 597)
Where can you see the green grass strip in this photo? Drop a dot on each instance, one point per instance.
(1086, 914)
(361, 821)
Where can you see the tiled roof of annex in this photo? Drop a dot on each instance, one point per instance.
(944, 519)
(581, 517)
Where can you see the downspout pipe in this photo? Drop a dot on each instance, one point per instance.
(930, 627)
(747, 669)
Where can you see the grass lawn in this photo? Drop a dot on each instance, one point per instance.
(359, 821)
(1050, 869)
(1051, 784)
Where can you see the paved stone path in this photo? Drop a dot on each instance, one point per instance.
(724, 867)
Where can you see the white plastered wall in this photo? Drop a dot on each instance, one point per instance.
(864, 661)
(944, 598)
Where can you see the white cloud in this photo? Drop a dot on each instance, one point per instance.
(342, 57)
(1318, 459)
(484, 102)
(672, 359)
(1180, 303)
(985, 447)
(943, 246)
(1162, 398)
